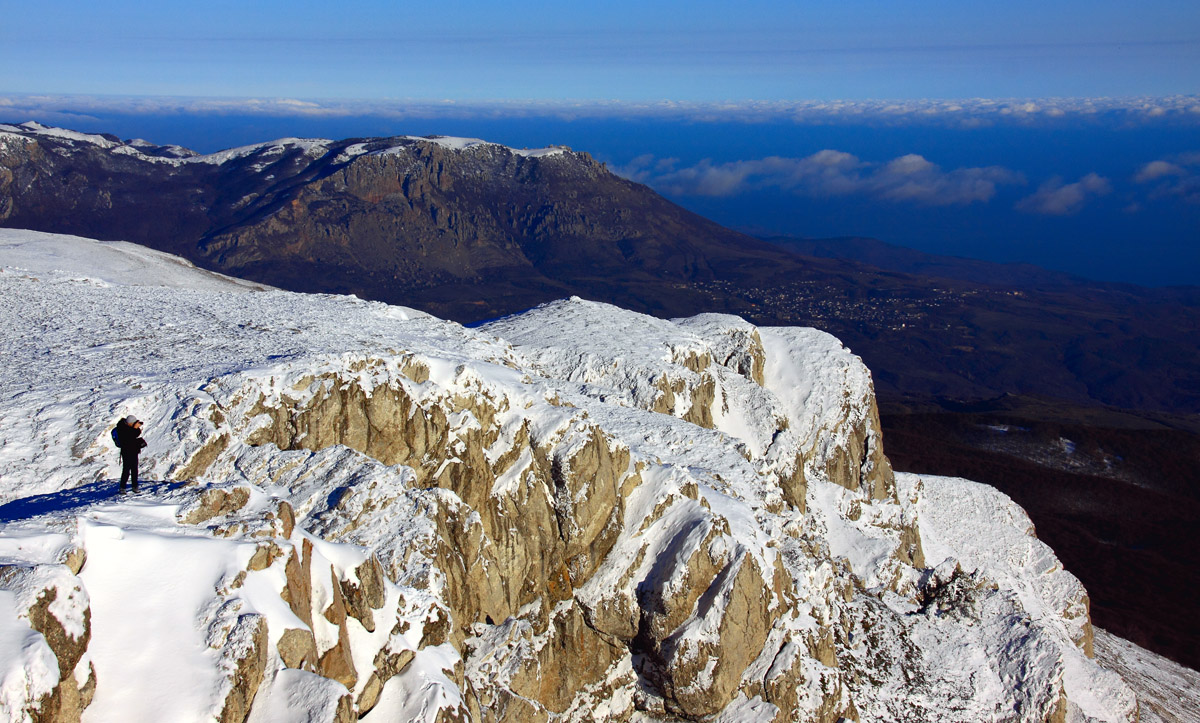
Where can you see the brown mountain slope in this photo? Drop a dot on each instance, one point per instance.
(484, 231)
(468, 233)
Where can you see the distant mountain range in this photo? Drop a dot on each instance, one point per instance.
(472, 231)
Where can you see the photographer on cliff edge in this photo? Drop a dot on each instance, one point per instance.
(128, 437)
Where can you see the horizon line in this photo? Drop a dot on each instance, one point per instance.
(1145, 107)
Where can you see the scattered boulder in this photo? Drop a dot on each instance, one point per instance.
(213, 503)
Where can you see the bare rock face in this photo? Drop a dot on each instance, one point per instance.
(794, 486)
(700, 664)
(337, 663)
(215, 503)
(387, 664)
(387, 426)
(298, 649)
(540, 539)
(1080, 615)
(802, 673)
(861, 464)
(365, 593)
(298, 591)
(587, 498)
(548, 678)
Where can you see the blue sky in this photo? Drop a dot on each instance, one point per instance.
(1065, 134)
(697, 50)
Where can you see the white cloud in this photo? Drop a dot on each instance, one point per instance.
(909, 178)
(1179, 176)
(1053, 198)
(1155, 170)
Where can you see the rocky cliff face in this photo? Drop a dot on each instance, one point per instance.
(579, 513)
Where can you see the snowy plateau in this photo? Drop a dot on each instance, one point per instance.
(351, 510)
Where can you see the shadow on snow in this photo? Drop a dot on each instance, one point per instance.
(74, 498)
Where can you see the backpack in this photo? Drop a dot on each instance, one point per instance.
(116, 438)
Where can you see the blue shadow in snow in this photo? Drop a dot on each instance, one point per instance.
(74, 498)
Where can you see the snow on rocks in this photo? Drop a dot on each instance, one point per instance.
(264, 155)
(1000, 550)
(198, 598)
(578, 513)
(45, 630)
(311, 147)
(454, 143)
(795, 401)
(67, 135)
(175, 155)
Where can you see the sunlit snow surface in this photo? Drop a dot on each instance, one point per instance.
(109, 262)
(1167, 692)
(95, 331)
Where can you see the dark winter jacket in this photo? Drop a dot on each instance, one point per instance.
(129, 439)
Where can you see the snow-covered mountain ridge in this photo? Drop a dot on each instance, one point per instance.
(576, 513)
(177, 155)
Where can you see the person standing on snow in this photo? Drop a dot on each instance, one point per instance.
(128, 436)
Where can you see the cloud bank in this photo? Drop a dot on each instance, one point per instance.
(910, 178)
(966, 113)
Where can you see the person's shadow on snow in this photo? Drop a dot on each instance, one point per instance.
(76, 497)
